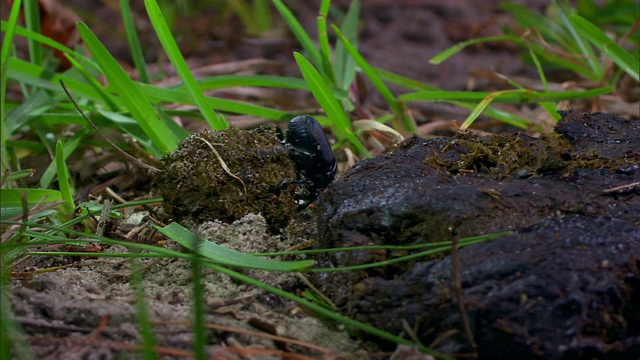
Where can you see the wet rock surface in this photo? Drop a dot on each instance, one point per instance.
(564, 285)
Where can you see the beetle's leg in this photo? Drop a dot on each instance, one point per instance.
(310, 191)
(274, 151)
(297, 152)
(285, 148)
(280, 135)
(265, 128)
(287, 182)
(629, 170)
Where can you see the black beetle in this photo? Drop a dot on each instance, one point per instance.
(309, 148)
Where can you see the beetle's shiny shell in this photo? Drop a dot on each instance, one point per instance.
(311, 151)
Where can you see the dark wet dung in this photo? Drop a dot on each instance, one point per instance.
(564, 285)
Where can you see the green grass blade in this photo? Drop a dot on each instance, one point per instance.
(298, 31)
(398, 108)
(9, 29)
(520, 97)
(130, 93)
(12, 199)
(242, 10)
(574, 55)
(225, 256)
(28, 74)
(16, 175)
(178, 131)
(95, 84)
(227, 81)
(284, 82)
(548, 28)
(585, 49)
(134, 41)
(30, 35)
(43, 40)
(64, 182)
(536, 61)
(344, 65)
(461, 45)
(324, 7)
(622, 14)
(37, 103)
(570, 62)
(323, 41)
(502, 115)
(69, 147)
(155, 93)
(404, 81)
(627, 62)
(129, 126)
(177, 60)
(32, 21)
(549, 106)
(325, 50)
(491, 111)
(322, 93)
(484, 103)
(32, 146)
(262, 15)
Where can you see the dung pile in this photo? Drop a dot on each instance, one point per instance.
(224, 175)
(564, 285)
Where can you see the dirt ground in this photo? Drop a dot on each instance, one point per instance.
(86, 309)
(62, 310)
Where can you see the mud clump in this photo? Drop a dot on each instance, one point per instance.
(196, 187)
(564, 285)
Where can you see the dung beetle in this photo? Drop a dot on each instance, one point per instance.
(309, 148)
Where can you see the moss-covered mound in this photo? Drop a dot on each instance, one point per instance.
(196, 186)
